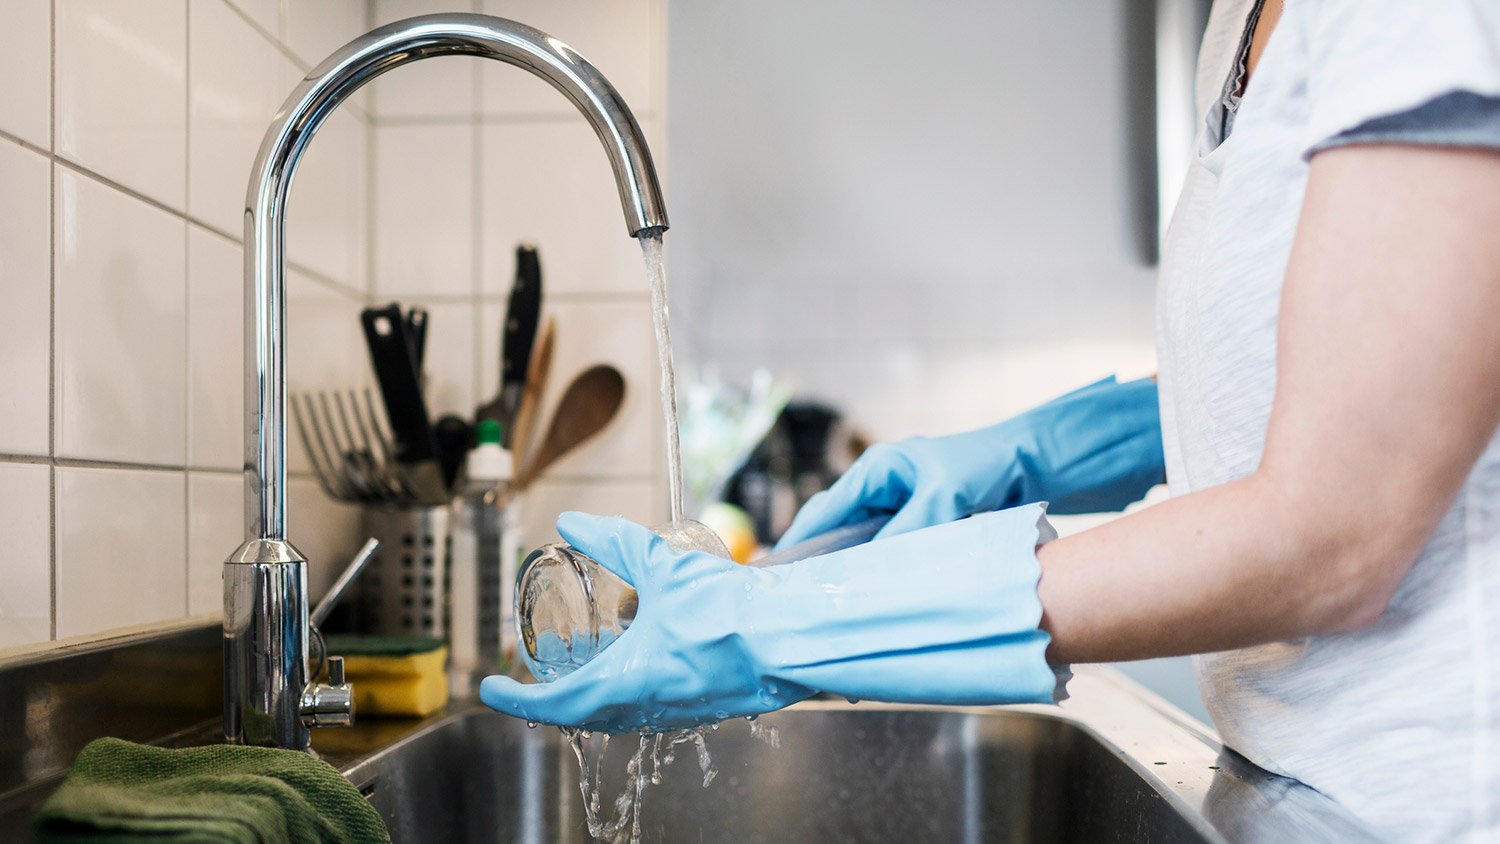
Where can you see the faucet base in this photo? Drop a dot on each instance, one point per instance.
(265, 645)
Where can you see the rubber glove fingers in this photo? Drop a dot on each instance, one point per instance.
(880, 481)
(572, 701)
(617, 543)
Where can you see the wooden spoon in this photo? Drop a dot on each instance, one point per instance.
(587, 405)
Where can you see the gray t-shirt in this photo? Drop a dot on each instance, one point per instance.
(1400, 721)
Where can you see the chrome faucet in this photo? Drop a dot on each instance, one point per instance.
(269, 699)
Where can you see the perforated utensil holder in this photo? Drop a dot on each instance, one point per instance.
(405, 592)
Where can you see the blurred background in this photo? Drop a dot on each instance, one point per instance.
(895, 223)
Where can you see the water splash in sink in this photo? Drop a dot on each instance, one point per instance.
(643, 769)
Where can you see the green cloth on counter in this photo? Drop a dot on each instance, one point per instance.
(121, 791)
(346, 644)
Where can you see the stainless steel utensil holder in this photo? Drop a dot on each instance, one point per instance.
(405, 591)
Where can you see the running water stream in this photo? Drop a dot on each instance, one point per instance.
(624, 823)
(651, 250)
(655, 750)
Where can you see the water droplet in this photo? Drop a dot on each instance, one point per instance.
(720, 714)
(714, 727)
(531, 724)
(852, 699)
(751, 717)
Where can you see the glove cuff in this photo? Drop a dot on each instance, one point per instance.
(943, 615)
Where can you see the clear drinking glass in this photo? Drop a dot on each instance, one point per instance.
(569, 608)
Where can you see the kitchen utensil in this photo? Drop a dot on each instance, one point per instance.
(586, 406)
(405, 590)
(531, 396)
(517, 337)
(454, 436)
(348, 451)
(416, 331)
(395, 369)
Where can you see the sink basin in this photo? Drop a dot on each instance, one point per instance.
(842, 773)
(1113, 763)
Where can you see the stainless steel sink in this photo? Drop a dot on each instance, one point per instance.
(1110, 765)
(845, 774)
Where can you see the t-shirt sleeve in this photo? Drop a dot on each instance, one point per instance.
(1373, 59)
(1456, 119)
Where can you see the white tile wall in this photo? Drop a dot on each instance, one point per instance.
(25, 298)
(121, 303)
(121, 549)
(266, 14)
(238, 80)
(215, 526)
(121, 90)
(424, 200)
(315, 28)
(327, 211)
(26, 67)
(215, 391)
(551, 182)
(25, 522)
(121, 274)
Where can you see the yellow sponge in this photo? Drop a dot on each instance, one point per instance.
(402, 677)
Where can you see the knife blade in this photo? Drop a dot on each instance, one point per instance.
(522, 314)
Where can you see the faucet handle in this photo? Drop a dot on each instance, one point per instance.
(329, 704)
(346, 579)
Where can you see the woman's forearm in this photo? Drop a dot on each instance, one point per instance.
(1231, 566)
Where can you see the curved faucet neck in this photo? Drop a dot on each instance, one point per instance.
(330, 84)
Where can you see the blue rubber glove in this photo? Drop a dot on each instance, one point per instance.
(1092, 450)
(714, 640)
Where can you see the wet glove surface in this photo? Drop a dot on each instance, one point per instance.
(1093, 450)
(715, 640)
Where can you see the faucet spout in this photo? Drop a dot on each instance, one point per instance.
(265, 601)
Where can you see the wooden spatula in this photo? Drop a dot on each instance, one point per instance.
(587, 405)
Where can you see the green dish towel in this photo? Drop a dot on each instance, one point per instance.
(120, 791)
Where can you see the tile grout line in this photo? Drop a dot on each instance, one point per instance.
(78, 169)
(187, 295)
(52, 327)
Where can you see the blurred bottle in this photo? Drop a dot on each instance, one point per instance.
(486, 546)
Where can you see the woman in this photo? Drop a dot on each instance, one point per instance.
(1329, 342)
